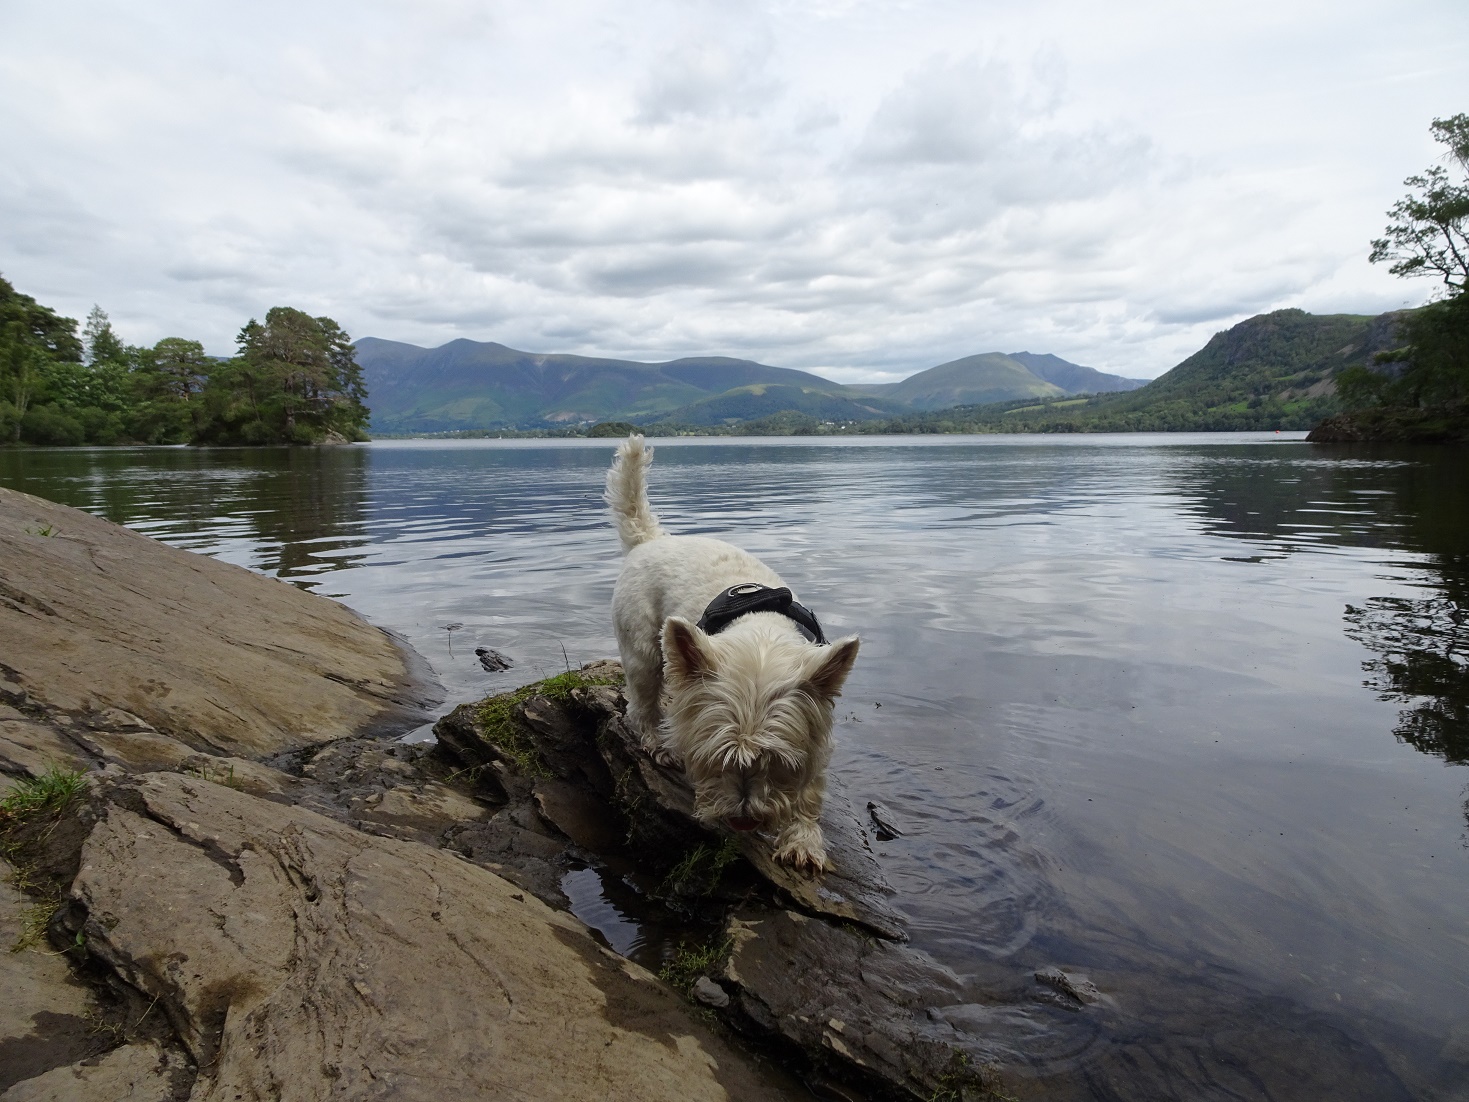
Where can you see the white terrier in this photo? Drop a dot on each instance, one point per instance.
(744, 706)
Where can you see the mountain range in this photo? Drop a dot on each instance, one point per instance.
(1271, 371)
(471, 385)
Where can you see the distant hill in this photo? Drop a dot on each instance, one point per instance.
(475, 386)
(747, 403)
(988, 377)
(1272, 371)
(998, 377)
(467, 385)
(1073, 378)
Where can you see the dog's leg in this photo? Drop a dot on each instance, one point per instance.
(645, 706)
(800, 843)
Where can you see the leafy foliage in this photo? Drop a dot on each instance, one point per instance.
(296, 381)
(1420, 391)
(1429, 234)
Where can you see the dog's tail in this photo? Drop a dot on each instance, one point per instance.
(627, 494)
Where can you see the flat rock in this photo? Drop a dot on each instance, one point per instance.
(44, 1013)
(853, 886)
(299, 958)
(131, 1073)
(870, 1006)
(97, 617)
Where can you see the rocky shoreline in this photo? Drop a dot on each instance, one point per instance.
(1394, 426)
(253, 894)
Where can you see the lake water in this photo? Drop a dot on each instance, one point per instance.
(1189, 714)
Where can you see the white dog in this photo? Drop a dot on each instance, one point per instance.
(746, 705)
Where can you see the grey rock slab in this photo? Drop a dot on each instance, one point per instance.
(852, 887)
(132, 1073)
(44, 1012)
(582, 816)
(97, 617)
(868, 1004)
(300, 958)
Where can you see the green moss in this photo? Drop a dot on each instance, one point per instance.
(688, 963)
(500, 720)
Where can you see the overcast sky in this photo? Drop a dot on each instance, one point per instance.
(858, 189)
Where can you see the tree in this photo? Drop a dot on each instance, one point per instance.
(32, 339)
(295, 381)
(1430, 232)
(99, 341)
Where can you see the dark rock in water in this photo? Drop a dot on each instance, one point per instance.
(1073, 984)
(882, 822)
(1445, 425)
(492, 660)
(869, 1010)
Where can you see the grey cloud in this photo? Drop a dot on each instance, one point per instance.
(811, 187)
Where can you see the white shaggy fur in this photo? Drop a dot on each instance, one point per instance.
(746, 712)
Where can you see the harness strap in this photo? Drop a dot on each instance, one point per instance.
(747, 597)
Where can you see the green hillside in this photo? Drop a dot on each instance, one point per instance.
(468, 385)
(1073, 378)
(987, 377)
(1273, 371)
(747, 403)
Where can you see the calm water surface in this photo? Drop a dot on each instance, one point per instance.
(1188, 714)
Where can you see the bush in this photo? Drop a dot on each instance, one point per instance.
(48, 425)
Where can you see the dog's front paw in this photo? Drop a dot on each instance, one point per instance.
(658, 750)
(802, 849)
(665, 757)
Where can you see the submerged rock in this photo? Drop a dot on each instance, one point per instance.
(1073, 984)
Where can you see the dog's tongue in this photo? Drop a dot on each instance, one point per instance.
(742, 824)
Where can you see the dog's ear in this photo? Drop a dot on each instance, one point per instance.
(685, 651)
(831, 670)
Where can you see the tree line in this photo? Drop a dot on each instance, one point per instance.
(294, 380)
(1422, 388)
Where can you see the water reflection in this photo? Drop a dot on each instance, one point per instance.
(1105, 689)
(293, 513)
(1411, 501)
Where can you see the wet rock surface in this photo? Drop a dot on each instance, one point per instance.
(119, 649)
(253, 894)
(813, 968)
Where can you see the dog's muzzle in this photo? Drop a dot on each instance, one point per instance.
(742, 824)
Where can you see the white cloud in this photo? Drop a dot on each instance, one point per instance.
(856, 188)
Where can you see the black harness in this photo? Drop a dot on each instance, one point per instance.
(741, 600)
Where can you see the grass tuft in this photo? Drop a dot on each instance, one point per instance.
(30, 801)
(960, 1082)
(700, 870)
(222, 775)
(44, 795)
(688, 963)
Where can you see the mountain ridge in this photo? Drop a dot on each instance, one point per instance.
(466, 385)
